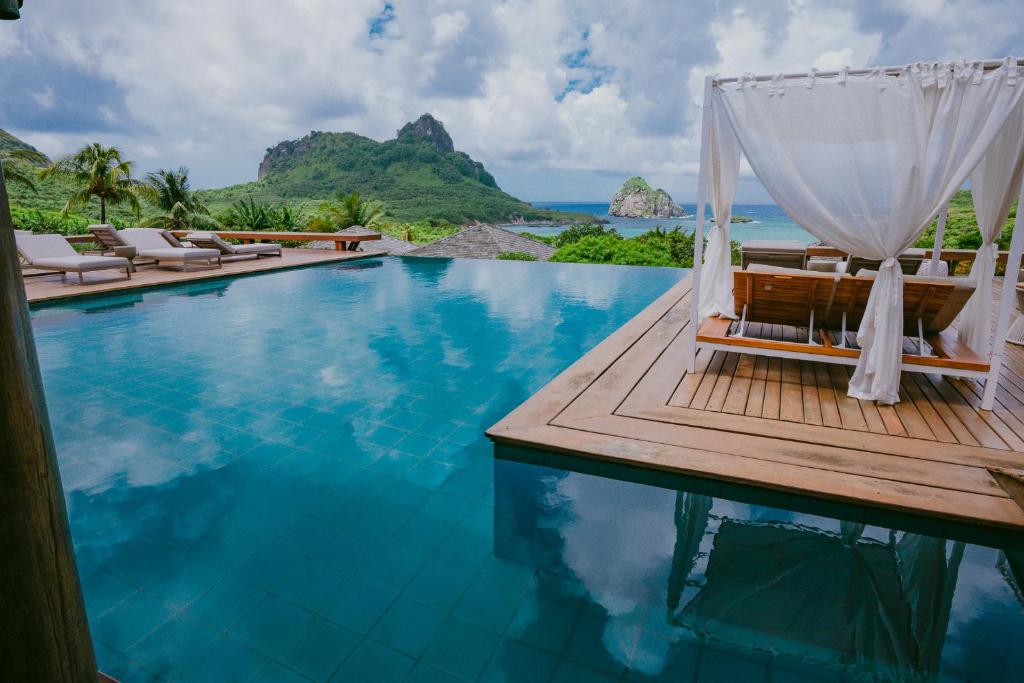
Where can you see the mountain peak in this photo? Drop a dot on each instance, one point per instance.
(428, 127)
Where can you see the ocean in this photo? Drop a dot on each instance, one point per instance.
(770, 222)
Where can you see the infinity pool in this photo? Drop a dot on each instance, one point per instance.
(284, 478)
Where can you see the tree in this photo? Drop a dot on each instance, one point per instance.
(171, 192)
(345, 211)
(99, 172)
(16, 163)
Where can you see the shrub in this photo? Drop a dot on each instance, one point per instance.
(516, 256)
(575, 233)
(657, 247)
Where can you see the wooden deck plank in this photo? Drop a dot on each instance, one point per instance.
(631, 401)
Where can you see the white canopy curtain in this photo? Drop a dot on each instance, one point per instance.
(995, 184)
(723, 164)
(864, 162)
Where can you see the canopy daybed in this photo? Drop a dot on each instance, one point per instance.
(865, 160)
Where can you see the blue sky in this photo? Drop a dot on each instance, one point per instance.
(561, 99)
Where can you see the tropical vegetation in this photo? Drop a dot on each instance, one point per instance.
(515, 256)
(658, 247)
(100, 172)
(20, 166)
(171, 193)
(345, 211)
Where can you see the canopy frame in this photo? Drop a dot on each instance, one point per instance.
(997, 354)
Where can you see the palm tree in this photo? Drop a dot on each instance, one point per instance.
(99, 172)
(171, 192)
(345, 211)
(15, 164)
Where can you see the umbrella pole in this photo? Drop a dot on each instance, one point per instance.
(45, 632)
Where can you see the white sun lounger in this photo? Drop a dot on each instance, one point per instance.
(209, 240)
(151, 244)
(52, 252)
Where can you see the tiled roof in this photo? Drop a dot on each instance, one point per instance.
(484, 242)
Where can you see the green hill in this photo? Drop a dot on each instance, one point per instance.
(418, 175)
(8, 141)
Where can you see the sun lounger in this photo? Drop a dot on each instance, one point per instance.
(783, 253)
(812, 316)
(151, 244)
(52, 252)
(110, 243)
(910, 263)
(209, 240)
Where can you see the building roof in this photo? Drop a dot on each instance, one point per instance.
(484, 242)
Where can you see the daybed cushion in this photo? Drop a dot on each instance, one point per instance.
(235, 249)
(765, 268)
(951, 308)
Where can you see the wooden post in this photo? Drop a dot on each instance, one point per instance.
(940, 232)
(698, 236)
(45, 635)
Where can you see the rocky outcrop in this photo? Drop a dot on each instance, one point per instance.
(428, 127)
(637, 199)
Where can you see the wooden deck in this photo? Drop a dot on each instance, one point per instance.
(50, 287)
(781, 424)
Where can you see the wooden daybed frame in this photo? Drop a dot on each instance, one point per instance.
(827, 306)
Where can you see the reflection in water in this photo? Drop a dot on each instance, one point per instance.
(753, 590)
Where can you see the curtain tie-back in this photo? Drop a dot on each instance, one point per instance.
(843, 73)
(1011, 70)
(811, 75)
(891, 263)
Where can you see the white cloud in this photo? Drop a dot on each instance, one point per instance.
(580, 85)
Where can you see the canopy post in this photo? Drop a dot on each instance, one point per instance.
(46, 635)
(698, 234)
(940, 231)
(1006, 299)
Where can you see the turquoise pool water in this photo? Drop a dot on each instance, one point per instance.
(284, 478)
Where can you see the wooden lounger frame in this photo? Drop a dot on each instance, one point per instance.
(822, 302)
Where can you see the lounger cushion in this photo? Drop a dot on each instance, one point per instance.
(169, 253)
(266, 248)
(33, 247)
(765, 268)
(82, 263)
(144, 238)
(171, 239)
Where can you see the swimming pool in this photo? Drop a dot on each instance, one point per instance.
(284, 477)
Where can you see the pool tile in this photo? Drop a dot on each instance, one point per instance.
(461, 649)
(275, 673)
(407, 626)
(421, 537)
(266, 625)
(424, 673)
(229, 661)
(464, 549)
(270, 568)
(516, 661)
(183, 584)
(307, 536)
(173, 646)
(570, 672)
(225, 603)
(358, 604)
(588, 645)
(124, 669)
(489, 604)
(103, 590)
(318, 648)
(312, 584)
(131, 620)
(380, 520)
(374, 662)
(468, 484)
(445, 508)
(407, 495)
(511, 574)
(543, 624)
(390, 567)
(439, 585)
(349, 551)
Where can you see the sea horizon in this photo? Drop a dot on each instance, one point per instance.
(769, 221)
